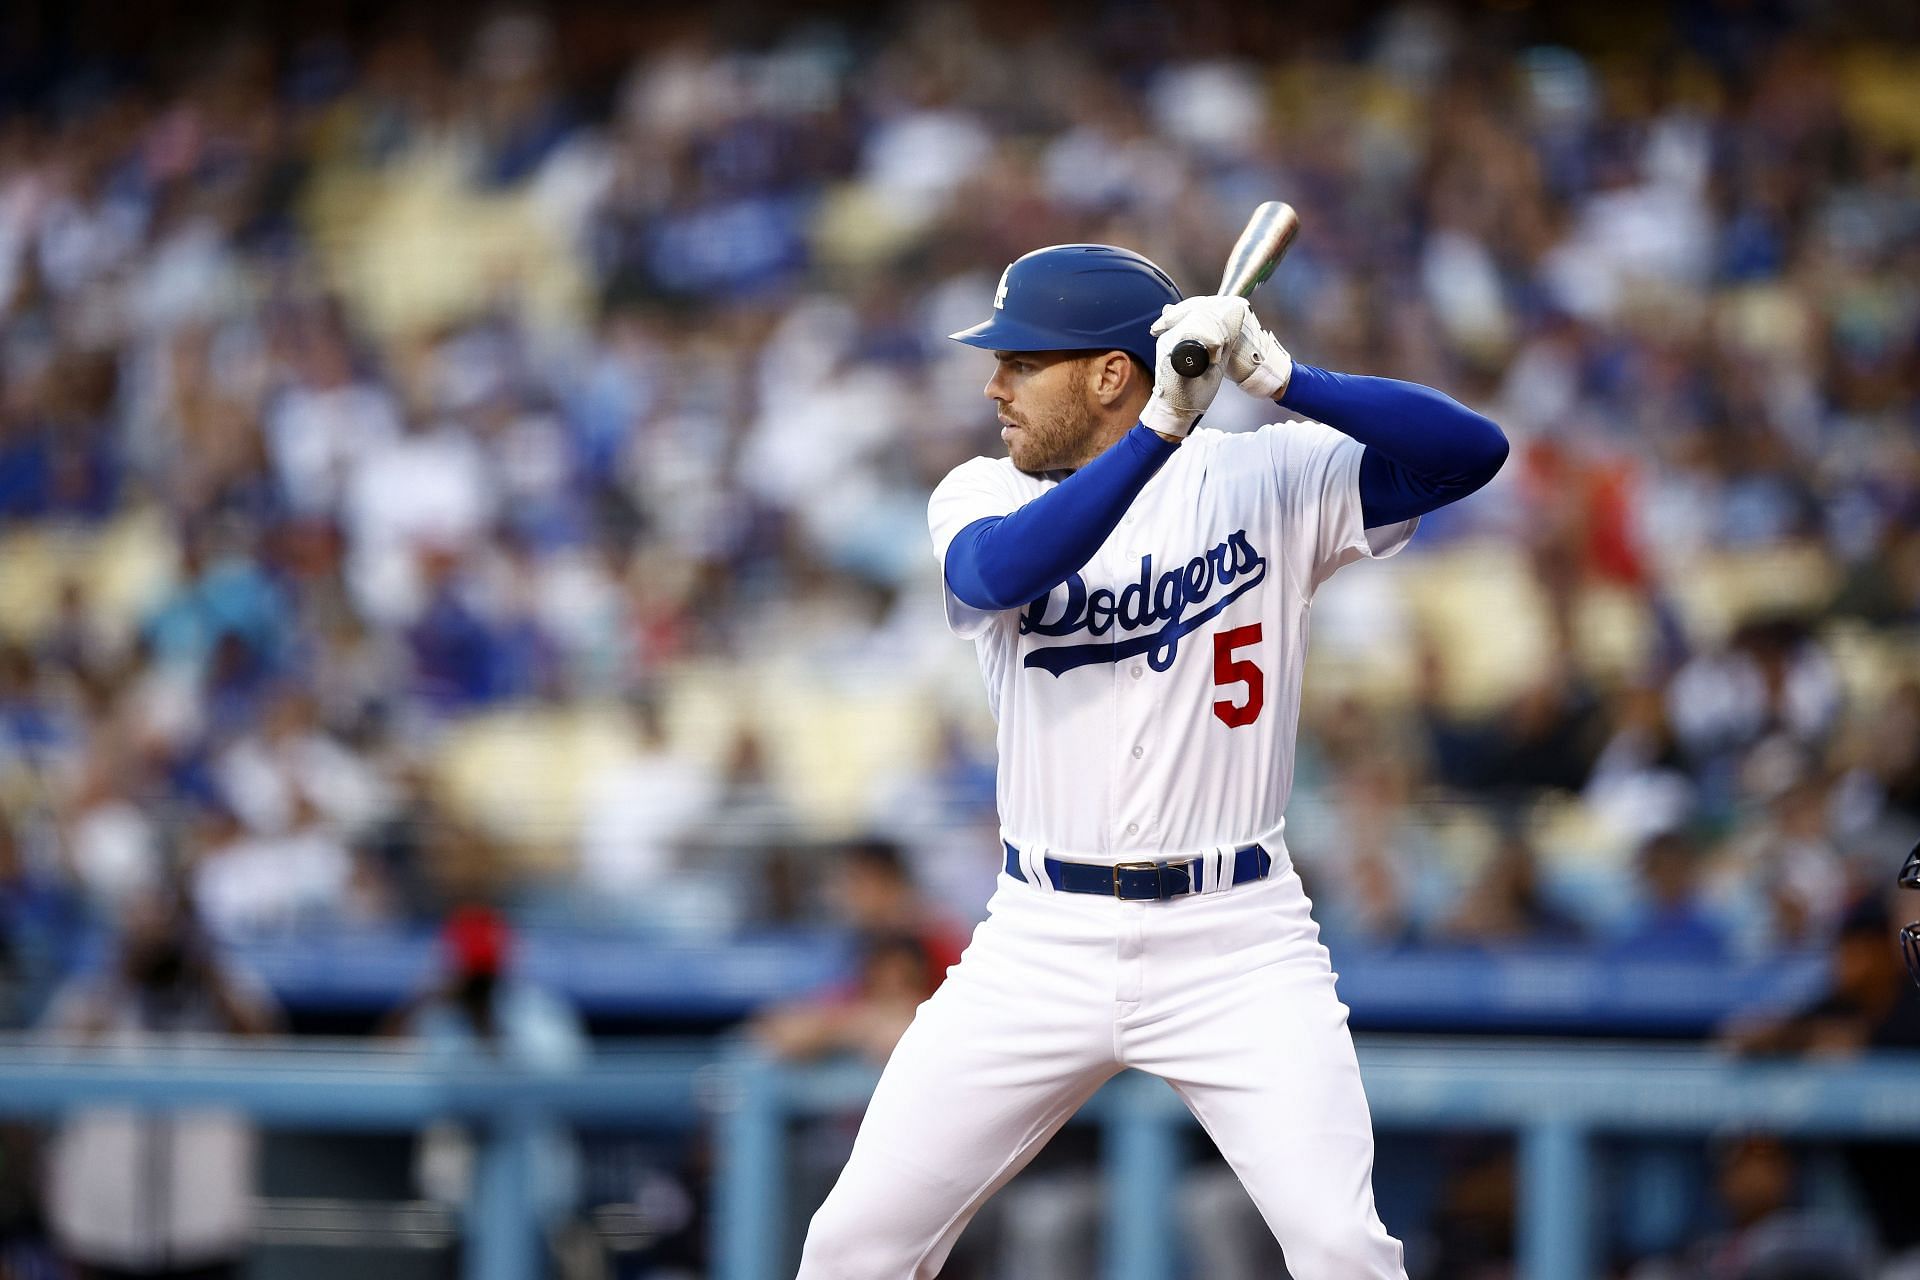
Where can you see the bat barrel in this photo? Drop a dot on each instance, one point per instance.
(1267, 235)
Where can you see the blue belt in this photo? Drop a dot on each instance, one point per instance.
(1141, 881)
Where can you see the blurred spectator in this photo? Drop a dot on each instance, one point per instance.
(1766, 1233)
(424, 496)
(288, 762)
(458, 659)
(248, 883)
(325, 418)
(135, 1193)
(1672, 920)
(481, 1008)
(222, 596)
(1786, 857)
(1639, 785)
(1880, 787)
(113, 844)
(864, 1020)
(905, 949)
(480, 1013)
(641, 810)
(874, 891)
(32, 730)
(1506, 905)
(1368, 863)
(1772, 678)
(77, 641)
(941, 811)
(900, 954)
(1870, 1004)
(1544, 737)
(39, 919)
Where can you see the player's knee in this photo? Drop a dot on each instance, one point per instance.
(839, 1248)
(1337, 1251)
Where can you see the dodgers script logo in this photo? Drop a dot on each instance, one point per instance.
(1162, 600)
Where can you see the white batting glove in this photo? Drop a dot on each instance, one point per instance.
(1256, 360)
(1177, 402)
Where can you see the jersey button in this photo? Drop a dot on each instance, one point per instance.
(1138, 752)
(1138, 672)
(1133, 828)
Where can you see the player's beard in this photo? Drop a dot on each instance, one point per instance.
(1063, 440)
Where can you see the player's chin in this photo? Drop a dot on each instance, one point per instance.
(1025, 451)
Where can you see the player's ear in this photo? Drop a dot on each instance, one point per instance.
(1112, 374)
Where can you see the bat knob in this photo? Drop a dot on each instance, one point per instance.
(1190, 358)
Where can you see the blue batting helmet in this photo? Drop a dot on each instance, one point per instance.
(1076, 297)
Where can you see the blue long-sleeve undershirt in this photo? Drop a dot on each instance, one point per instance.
(1423, 451)
(1004, 562)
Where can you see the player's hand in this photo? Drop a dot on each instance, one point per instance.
(1255, 360)
(1177, 402)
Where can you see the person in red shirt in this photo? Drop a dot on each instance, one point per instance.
(905, 950)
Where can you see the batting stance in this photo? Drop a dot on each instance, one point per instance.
(1138, 595)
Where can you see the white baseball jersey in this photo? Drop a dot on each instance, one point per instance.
(1147, 706)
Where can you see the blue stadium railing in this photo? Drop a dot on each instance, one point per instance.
(1556, 1098)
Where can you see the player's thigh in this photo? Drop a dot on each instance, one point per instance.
(1253, 1036)
(1275, 1081)
(959, 1097)
(981, 1079)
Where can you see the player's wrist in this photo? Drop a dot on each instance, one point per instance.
(1267, 384)
(1167, 420)
(1260, 365)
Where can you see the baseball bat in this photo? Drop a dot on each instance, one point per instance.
(1256, 253)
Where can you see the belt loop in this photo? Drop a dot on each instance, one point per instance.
(1037, 867)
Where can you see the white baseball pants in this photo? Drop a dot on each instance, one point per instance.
(1227, 996)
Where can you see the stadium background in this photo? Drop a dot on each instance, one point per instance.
(467, 459)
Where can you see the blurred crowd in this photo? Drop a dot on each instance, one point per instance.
(364, 378)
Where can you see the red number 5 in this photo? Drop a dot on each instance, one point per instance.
(1230, 670)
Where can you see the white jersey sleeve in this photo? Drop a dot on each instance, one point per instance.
(972, 491)
(1319, 474)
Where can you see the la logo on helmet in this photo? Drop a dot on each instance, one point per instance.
(1000, 294)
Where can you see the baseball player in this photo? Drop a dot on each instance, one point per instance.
(1138, 594)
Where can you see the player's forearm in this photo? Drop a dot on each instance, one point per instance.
(1424, 449)
(1004, 562)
